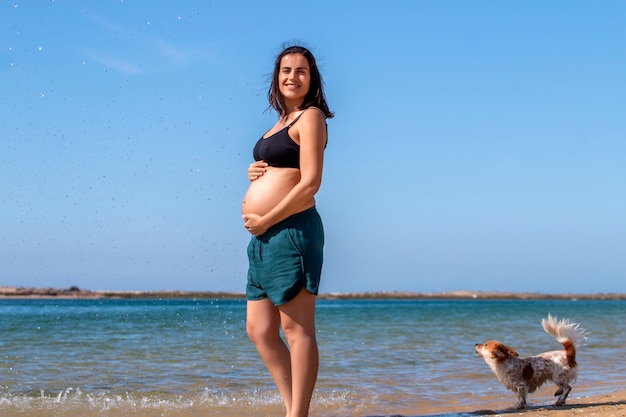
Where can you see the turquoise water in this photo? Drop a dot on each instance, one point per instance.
(192, 357)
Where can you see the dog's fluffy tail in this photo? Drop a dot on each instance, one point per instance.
(563, 330)
(567, 333)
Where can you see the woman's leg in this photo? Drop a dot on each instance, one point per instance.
(263, 327)
(298, 321)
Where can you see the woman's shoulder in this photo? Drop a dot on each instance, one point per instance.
(313, 121)
(323, 110)
(313, 115)
(313, 109)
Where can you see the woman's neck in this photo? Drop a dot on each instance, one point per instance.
(291, 107)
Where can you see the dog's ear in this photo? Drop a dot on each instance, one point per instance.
(504, 351)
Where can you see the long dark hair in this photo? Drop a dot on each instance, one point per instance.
(315, 95)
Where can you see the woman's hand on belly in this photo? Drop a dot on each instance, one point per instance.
(254, 224)
(256, 170)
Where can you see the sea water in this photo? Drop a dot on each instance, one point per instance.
(146, 357)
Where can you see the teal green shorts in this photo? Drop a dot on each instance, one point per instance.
(286, 259)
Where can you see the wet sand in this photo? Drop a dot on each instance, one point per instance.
(605, 405)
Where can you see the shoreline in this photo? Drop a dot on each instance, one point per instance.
(612, 404)
(9, 292)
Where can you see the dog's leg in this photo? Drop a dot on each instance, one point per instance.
(521, 392)
(565, 390)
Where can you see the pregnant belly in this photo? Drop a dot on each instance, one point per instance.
(266, 192)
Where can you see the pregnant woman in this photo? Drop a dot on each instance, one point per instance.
(285, 252)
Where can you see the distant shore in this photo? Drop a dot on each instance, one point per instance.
(78, 293)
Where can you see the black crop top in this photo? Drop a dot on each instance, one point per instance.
(279, 150)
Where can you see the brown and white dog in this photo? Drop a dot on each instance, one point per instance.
(524, 376)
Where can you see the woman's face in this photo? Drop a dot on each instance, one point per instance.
(294, 77)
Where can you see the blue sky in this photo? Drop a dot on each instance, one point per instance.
(477, 145)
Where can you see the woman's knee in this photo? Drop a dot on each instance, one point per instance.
(251, 330)
(297, 333)
(262, 325)
(300, 336)
(260, 330)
